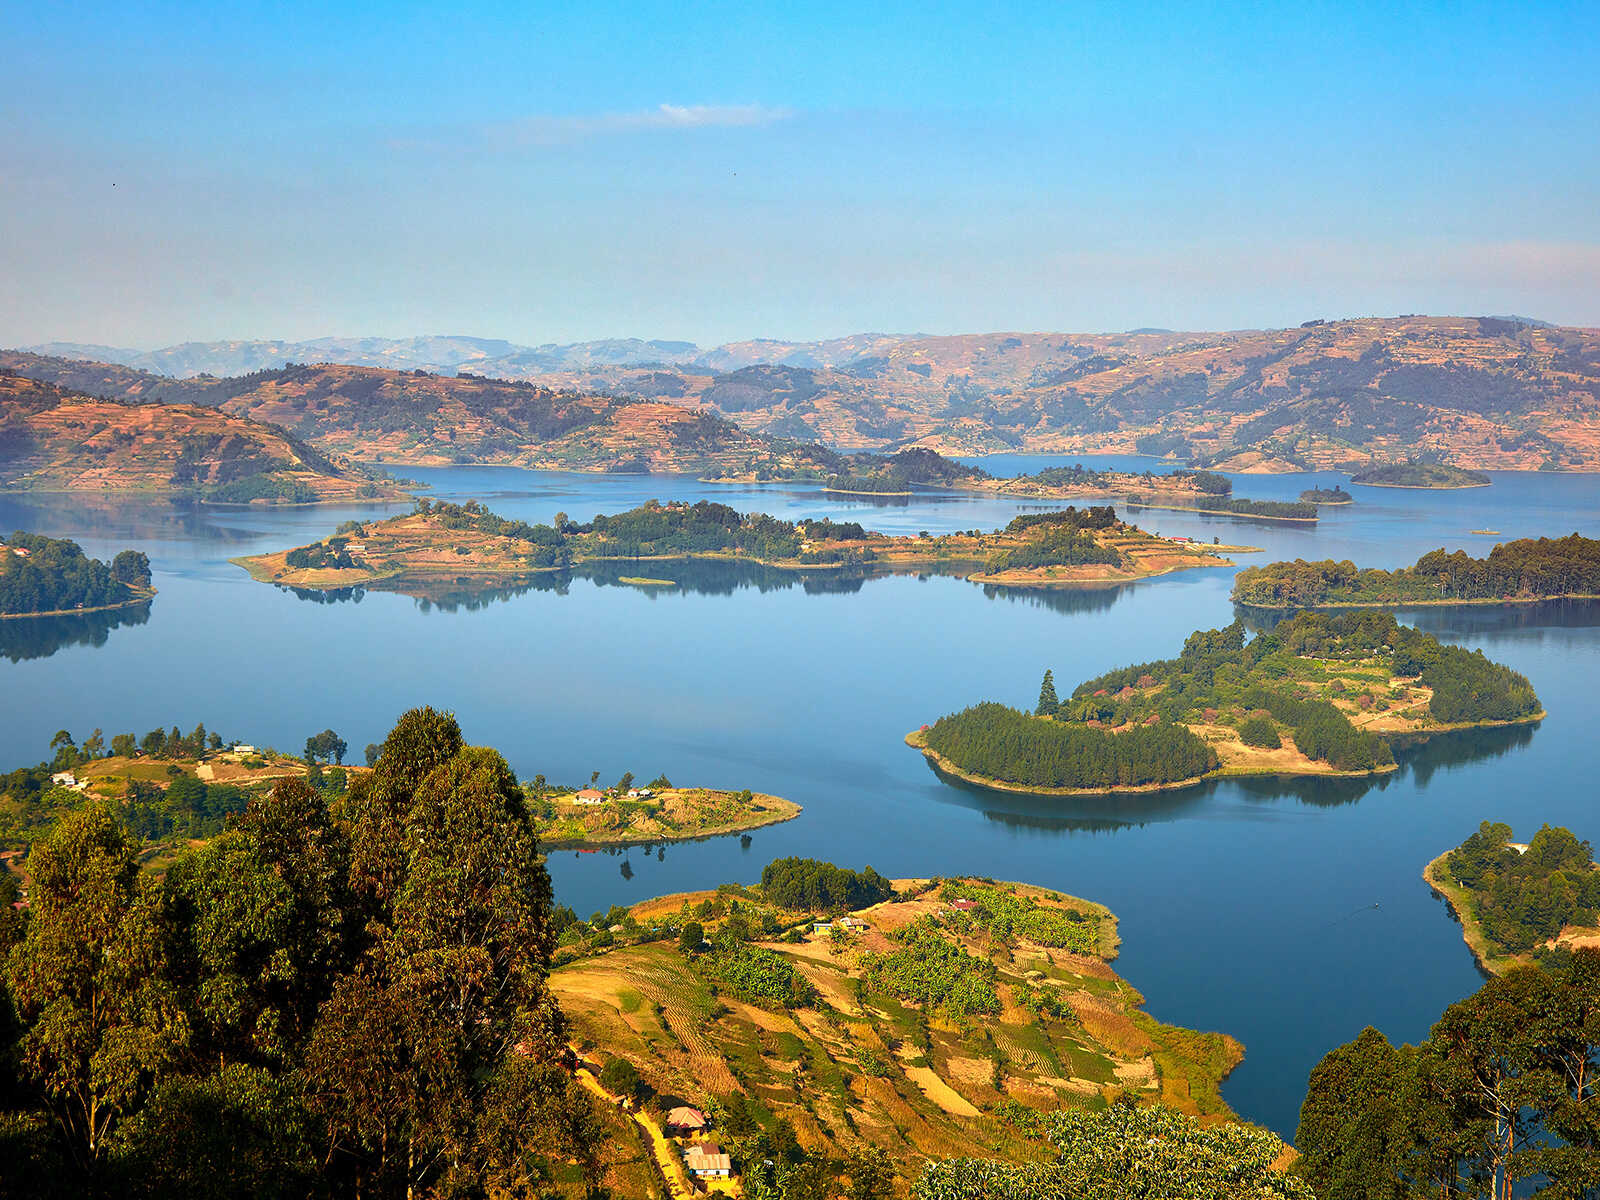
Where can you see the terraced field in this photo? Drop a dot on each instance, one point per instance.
(863, 1066)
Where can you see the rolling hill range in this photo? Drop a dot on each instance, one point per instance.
(1478, 392)
(52, 439)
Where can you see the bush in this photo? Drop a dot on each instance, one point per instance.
(1259, 731)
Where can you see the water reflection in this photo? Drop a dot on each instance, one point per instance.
(23, 638)
(1420, 760)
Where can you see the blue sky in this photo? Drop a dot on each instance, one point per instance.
(714, 172)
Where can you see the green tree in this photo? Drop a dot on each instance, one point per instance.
(691, 937)
(1049, 704)
(88, 980)
(621, 1078)
(124, 745)
(450, 986)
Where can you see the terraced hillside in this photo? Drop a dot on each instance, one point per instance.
(928, 1025)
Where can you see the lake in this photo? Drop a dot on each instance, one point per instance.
(1287, 914)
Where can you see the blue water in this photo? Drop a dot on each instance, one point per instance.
(1287, 915)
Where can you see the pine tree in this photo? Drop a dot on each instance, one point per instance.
(1048, 704)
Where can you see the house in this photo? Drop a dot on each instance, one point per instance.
(851, 923)
(241, 748)
(589, 796)
(67, 779)
(640, 793)
(964, 905)
(684, 1119)
(707, 1160)
(822, 927)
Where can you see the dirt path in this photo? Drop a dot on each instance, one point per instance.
(665, 1152)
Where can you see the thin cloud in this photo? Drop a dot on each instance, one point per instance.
(546, 130)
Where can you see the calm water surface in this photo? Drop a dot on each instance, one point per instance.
(1287, 915)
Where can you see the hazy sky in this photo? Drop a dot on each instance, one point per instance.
(546, 172)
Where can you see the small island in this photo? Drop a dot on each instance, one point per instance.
(1224, 506)
(649, 815)
(1318, 695)
(1520, 904)
(1335, 495)
(921, 1017)
(1520, 572)
(462, 542)
(48, 577)
(1420, 475)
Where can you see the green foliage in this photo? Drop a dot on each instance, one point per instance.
(1524, 569)
(929, 969)
(1007, 917)
(262, 486)
(1049, 702)
(1059, 545)
(759, 975)
(1333, 495)
(810, 885)
(1259, 731)
(56, 575)
(997, 742)
(1524, 898)
(1125, 1152)
(1420, 474)
(1499, 1100)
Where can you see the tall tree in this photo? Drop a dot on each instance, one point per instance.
(88, 980)
(1048, 705)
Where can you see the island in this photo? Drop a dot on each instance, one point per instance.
(650, 815)
(1520, 904)
(1317, 695)
(1421, 475)
(1224, 506)
(1334, 495)
(463, 542)
(1520, 572)
(921, 1017)
(48, 577)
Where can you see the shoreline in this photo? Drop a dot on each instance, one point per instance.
(1222, 512)
(764, 819)
(1480, 602)
(1431, 487)
(1456, 899)
(74, 612)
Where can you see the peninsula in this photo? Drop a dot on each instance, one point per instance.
(921, 1017)
(1521, 572)
(650, 815)
(49, 577)
(1318, 695)
(1520, 904)
(1071, 547)
(1421, 475)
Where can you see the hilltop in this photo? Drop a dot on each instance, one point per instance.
(1476, 392)
(53, 439)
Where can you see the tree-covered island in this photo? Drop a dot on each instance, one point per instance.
(42, 576)
(1319, 694)
(465, 541)
(1519, 572)
(1521, 903)
(1421, 475)
(1334, 495)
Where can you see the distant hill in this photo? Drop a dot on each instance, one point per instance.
(52, 439)
(1475, 392)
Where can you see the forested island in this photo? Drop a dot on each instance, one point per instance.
(649, 814)
(1421, 475)
(1521, 903)
(42, 576)
(465, 541)
(1333, 495)
(837, 1027)
(1225, 506)
(1519, 572)
(1319, 694)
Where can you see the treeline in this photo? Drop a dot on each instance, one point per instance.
(1333, 495)
(319, 1003)
(1296, 510)
(1528, 568)
(1524, 898)
(1057, 545)
(276, 488)
(1096, 516)
(1420, 474)
(996, 742)
(809, 885)
(1219, 676)
(881, 483)
(1498, 1101)
(40, 575)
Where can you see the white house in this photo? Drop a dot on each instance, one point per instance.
(589, 796)
(708, 1161)
(67, 779)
